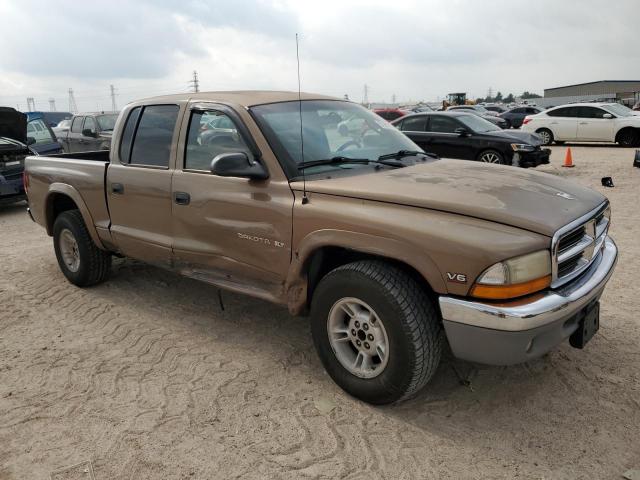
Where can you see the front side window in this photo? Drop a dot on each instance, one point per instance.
(442, 124)
(330, 128)
(590, 112)
(90, 124)
(76, 126)
(153, 136)
(211, 133)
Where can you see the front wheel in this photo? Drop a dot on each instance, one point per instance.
(376, 332)
(491, 156)
(80, 260)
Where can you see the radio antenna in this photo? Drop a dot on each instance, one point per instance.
(305, 199)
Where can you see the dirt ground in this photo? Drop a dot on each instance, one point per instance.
(146, 377)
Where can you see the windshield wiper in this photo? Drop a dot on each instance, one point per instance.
(342, 160)
(406, 153)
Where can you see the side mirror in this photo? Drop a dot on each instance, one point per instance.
(607, 115)
(462, 132)
(238, 165)
(31, 140)
(89, 133)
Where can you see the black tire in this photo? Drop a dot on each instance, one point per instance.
(412, 324)
(628, 138)
(94, 263)
(546, 135)
(491, 156)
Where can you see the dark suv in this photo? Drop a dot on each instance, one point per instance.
(469, 137)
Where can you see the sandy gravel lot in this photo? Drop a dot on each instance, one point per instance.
(146, 377)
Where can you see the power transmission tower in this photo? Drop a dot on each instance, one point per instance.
(195, 85)
(393, 98)
(114, 108)
(73, 108)
(365, 98)
(31, 104)
(52, 104)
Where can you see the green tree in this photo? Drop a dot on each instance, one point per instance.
(498, 97)
(509, 98)
(527, 95)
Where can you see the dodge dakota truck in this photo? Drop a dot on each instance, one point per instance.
(393, 253)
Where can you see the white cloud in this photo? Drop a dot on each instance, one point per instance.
(414, 49)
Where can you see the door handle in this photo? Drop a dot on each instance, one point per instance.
(181, 198)
(584, 123)
(117, 188)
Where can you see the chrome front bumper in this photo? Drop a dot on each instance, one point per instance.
(517, 331)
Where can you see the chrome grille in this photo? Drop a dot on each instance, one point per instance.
(577, 245)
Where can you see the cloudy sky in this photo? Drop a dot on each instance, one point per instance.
(418, 50)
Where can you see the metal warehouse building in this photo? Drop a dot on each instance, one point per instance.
(622, 91)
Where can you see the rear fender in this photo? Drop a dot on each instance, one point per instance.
(73, 194)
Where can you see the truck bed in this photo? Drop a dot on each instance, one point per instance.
(81, 176)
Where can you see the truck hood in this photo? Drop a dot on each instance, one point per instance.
(534, 201)
(13, 124)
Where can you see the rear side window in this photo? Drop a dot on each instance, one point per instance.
(127, 135)
(153, 136)
(414, 124)
(564, 112)
(76, 126)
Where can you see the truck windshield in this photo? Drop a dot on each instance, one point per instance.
(331, 128)
(107, 122)
(478, 124)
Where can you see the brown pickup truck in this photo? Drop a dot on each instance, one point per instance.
(388, 249)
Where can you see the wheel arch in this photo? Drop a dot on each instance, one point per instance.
(62, 197)
(324, 251)
(627, 128)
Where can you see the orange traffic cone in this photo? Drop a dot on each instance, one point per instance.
(568, 159)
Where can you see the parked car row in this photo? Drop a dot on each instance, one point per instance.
(586, 122)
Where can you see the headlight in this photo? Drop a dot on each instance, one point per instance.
(515, 277)
(522, 147)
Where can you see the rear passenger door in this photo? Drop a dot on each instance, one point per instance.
(138, 183)
(563, 122)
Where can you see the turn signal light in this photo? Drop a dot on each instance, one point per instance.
(503, 292)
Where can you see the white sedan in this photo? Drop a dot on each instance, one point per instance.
(586, 122)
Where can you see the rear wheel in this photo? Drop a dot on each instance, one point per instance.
(376, 331)
(491, 156)
(80, 260)
(546, 135)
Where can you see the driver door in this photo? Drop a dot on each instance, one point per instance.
(229, 231)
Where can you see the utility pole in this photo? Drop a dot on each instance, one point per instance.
(114, 108)
(52, 104)
(365, 98)
(31, 104)
(195, 85)
(73, 108)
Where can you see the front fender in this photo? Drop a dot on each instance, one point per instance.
(360, 242)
